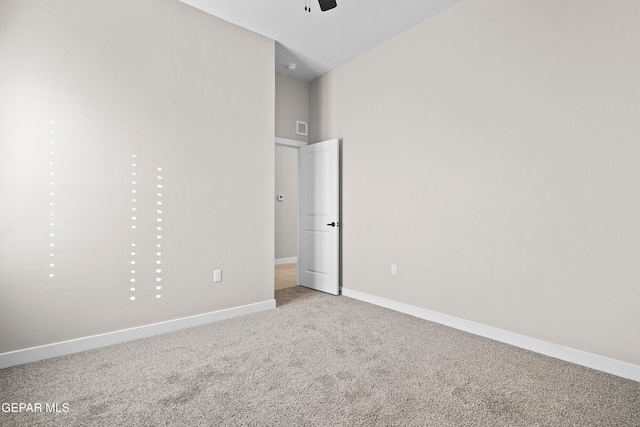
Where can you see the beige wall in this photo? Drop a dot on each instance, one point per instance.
(287, 210)
(492, 153)
(158, 80)
(292, 103)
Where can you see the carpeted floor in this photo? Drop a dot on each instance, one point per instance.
(317, 360)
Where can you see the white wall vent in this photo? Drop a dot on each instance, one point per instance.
(301, 128)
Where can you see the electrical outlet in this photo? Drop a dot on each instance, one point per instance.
(217, 276)
(394, 270)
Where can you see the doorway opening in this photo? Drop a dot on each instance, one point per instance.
(286, 213)
(285, 275)
(307, 229)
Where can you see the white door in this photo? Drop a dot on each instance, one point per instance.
(318, 216)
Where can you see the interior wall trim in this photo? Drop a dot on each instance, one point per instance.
(286, 142)
(579, 357)
(289, 260)
(48, 351)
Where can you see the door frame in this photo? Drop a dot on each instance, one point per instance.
(286, 142)
(292, 143)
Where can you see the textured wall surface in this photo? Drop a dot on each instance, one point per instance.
(292, 104)
(136, 152)
(492, 153)
(286, 214)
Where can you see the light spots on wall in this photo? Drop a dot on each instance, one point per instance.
(52, 229)
(159, 233)
(140, 190)
(132, 255)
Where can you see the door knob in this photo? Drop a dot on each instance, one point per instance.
(333, 224)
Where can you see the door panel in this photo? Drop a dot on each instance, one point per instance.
(317, 244)
(318, 221)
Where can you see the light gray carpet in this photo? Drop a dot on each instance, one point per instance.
(318, 360)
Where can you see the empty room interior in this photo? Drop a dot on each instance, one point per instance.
(487, 235)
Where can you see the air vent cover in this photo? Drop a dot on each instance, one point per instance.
(301, 128)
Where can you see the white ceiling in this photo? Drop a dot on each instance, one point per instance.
(318, 42)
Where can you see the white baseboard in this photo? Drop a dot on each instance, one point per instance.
(48, 351)
(289, 260)
(579, 357)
